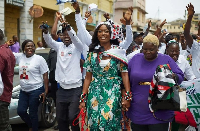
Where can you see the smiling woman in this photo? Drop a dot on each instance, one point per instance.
(31, 69)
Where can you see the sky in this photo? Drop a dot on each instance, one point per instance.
(169, 9)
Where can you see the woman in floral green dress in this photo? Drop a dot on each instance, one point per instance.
(106, 67)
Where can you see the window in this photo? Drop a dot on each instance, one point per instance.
(138, 15)
(174, 27)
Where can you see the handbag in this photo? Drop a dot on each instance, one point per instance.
(165, 93)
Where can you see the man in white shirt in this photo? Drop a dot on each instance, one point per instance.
(40, 45)
(194, 45)
(68, 74)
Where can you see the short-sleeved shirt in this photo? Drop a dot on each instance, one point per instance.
(7, 64)
(31, 70)
(15, 48)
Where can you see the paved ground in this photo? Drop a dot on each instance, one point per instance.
(24, 127)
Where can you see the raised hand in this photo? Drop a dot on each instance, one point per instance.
(87, 14)
(123, 21)
(76, 6)
(10, 42)
(127, 15)
(190, 9)
(58, 15)
(107, 16)
(149, 24)
(164, 22)
(44, 27)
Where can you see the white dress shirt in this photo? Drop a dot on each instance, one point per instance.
(195, 51)
(1, 85)
(68, 72)
(162, 48)
(185, 67)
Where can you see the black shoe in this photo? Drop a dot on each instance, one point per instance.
(55, 127)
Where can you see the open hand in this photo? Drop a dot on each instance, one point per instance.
(127, 15)
(107, 16)
(76, 6)
(190, 9)
(87, 14)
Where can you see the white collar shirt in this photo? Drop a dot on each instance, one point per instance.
(185, 67)
(162, 48)
(68, 72)
(195, 51)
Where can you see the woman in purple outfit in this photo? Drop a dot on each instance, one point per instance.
(141, 69)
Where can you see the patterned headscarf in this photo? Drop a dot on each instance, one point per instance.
(116, 30)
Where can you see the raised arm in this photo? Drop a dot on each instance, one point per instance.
(147, 30)
(129, 35)
(54, 28)
(75, 40)
(87, 15)
(83, 34)
(48, 39)
(188, 37)
(158, 31)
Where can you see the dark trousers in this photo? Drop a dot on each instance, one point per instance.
(52, 90)
(29, 100)
(153, 127)
(67, 108)
(4, 116)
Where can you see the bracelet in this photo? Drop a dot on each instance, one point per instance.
(128, 96)
(83, 97)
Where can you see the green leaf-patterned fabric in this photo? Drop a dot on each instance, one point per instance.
(104, 95)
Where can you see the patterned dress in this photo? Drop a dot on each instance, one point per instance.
(104, 95)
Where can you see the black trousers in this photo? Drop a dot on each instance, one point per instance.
(4, 116)
(53, 89)
(153, 127)
(67, 108)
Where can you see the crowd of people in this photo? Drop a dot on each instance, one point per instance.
(106, 73)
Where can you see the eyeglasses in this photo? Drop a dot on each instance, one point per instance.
(105, 31)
